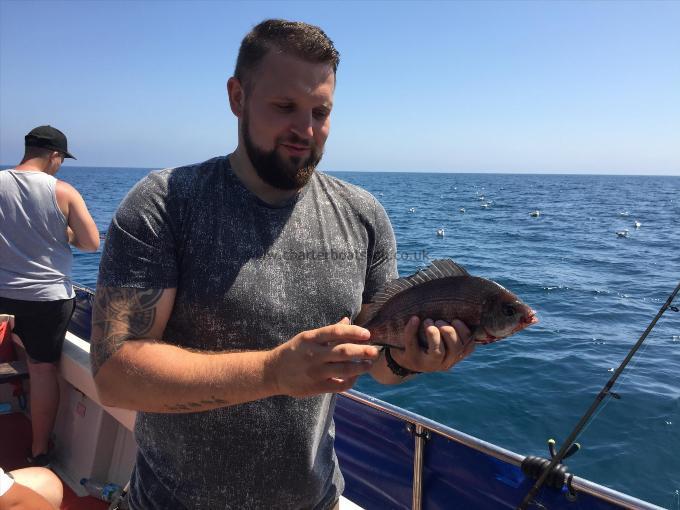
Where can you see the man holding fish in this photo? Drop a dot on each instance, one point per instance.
(231, 352)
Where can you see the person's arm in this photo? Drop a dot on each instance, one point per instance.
(19, 497)
(33, 482)
(134, 369)
(82, 230)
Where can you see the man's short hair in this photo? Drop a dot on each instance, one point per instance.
(301, 40)
(37, 152)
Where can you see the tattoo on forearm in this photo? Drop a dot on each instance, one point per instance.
(120, 314)
(195, 406)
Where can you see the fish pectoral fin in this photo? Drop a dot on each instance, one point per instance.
(367, 312)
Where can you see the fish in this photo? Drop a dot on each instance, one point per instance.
(444, 291)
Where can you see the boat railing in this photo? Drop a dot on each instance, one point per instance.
(498, 466)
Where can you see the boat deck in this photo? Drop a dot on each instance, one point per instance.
(15, 429)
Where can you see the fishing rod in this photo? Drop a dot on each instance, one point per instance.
(567, 446)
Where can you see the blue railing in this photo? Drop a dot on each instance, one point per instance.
(376, 447)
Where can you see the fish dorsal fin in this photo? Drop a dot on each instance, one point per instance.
(442, 268)
(438, 269)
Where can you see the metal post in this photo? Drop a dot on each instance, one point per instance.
(421, 435)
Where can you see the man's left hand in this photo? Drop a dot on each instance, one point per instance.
(447, 344)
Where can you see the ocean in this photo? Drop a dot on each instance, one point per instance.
(595, 292)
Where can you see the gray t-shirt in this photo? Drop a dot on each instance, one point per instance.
(248, 276)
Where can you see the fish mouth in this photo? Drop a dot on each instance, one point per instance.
(526, 321)
(529, 319)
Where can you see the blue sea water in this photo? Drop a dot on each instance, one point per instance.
(595, 293)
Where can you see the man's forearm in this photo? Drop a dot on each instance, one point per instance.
(133, 371)
(154, 377)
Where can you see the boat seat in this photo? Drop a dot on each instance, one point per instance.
(11, 370)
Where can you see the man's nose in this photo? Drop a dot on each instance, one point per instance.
(303, 125)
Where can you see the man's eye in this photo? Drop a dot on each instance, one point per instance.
(285, 107)
(320, 114)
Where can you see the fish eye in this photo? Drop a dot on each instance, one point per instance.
(508, 310)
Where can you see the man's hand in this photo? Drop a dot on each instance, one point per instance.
(324, 360)
(447, 344)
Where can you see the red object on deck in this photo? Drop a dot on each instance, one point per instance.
(17, 427)
(6, 346)
(7, 353)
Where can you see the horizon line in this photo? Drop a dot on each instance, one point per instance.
(468, 172)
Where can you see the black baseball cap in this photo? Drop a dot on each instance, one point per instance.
(47, 137)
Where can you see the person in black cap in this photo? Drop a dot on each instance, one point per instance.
(47, 137)
(39, 217)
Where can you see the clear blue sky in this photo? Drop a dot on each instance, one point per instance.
(572, 87)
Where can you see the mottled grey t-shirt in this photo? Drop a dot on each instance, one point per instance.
(248, 276)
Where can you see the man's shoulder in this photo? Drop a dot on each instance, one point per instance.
(9, 175)
(7, 172)
(180, 180)
(193, 173)
(356, 196)
(64, 191)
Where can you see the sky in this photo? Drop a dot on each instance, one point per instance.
(535, 87)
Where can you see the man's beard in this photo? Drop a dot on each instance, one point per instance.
(273, 169)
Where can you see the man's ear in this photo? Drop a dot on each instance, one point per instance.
(236, 96)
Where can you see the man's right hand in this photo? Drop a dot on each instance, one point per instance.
(324, 360)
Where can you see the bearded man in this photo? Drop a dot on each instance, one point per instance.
(225, 294)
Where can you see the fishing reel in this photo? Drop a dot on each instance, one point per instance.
(558, 477)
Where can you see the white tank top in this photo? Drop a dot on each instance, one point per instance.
(35, 257)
